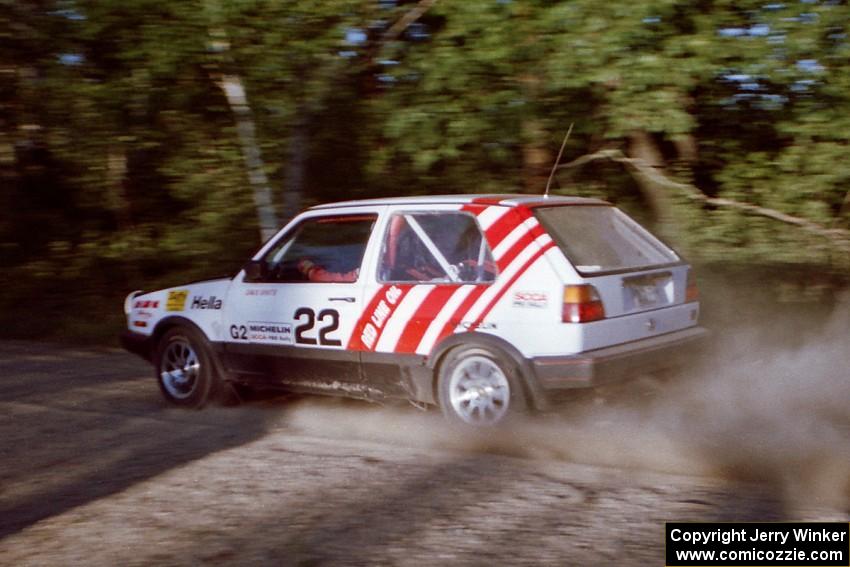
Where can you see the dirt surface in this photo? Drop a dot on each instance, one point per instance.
(96, 470)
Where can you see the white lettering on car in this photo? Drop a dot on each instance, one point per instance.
(370, 334)
(379, 316)
(393, 294)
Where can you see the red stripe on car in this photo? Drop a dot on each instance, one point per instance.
(502, 227)
(511, 282)
(520, 245)
(487, 200)
(427, 311)
(462, 309)
(374, 318)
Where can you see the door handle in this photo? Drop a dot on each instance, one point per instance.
(345, 299)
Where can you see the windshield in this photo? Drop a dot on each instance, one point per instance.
(603, 239)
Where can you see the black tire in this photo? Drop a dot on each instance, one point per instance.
(479, 386)
(185, 370)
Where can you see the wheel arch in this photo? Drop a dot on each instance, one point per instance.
(534, 393)
(169, 323)
(176, 321)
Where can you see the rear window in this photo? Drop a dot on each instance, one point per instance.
(603, 239)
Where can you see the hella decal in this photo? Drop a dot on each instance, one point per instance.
(211, 302)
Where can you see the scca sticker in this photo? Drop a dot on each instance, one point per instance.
(176, 300)
(536, 299)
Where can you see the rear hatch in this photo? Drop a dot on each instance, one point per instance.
(640, 281)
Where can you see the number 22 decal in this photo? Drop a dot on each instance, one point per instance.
(305, 326)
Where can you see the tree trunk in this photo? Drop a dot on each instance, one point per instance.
(297, 163)
(686, 148)
(644, 148)
(116, 178)
(234, 91)
(536, 157)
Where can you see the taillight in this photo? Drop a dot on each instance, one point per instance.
(691, 291)
(582, 304)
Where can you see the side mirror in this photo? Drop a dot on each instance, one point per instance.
(255, 271)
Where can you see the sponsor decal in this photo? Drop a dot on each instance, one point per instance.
(262, 332)
(260, 292)
(536, 299)
(146, 304)
(371, 324)
(211, 302)
(379, 316)
(176, 300)
(140, 323)
(142, 314)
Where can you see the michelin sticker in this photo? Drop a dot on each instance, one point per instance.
(263, 332)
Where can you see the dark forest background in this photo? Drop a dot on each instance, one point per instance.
(147, 143)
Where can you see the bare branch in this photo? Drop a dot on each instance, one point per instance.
(408, 18)
(639, 167)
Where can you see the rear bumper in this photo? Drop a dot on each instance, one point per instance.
(618, 362)
(136, 343)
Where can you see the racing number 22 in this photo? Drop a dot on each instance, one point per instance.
(311, 316)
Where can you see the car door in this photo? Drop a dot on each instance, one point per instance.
(291, 321)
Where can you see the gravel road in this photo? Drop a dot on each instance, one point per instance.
(97, 470)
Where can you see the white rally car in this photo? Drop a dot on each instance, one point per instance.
(483, 305)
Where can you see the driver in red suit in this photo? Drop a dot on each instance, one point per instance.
(315, 273)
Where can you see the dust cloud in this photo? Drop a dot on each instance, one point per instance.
(750, 408)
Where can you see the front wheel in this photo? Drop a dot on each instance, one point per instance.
(478, 387)
(184, 368)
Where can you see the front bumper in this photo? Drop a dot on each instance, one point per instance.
(618, 362)
(137, 343)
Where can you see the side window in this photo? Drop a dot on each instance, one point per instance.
(435, 247)
(321, 249)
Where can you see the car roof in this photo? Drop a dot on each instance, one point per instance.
(508, 200)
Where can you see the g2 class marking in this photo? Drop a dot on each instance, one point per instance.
(262, 331)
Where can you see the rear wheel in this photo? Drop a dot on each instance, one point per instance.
(478, 387)
(184, 368)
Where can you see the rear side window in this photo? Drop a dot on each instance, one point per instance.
(435, 247)
(603, 239)
(321, 249)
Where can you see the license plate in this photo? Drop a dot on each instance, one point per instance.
(648, 291)
(645, 295)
